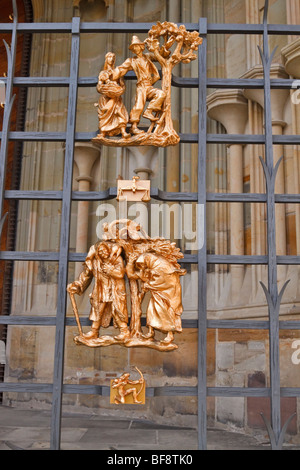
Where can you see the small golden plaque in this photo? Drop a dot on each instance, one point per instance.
(124, 391)
(134, 190)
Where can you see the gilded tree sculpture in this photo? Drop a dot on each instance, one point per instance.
(186, 43)
(167, 44)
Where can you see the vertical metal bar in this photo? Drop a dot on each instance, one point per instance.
(271, 238)
(64, 240)
(201, 233)
(9, 100)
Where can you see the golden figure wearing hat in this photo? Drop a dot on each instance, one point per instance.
(147, 75)
(108, 299)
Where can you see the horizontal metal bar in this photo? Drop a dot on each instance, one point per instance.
(97, 27)
(238, 324)
(188, 258)
(40, 320)
(29, 255)
(57, 195)
(251, 324)
(180, 82)
(251, 197)
(287, 198)
(158, 194)
(235, 139)
(289, 325)
(155, 193)
(249, 139)
(172, 391)
(290, 392)
(41, 81)
(286, 139)
(247, 83)
(37, 27)
(39, 256)
(25, 387)
(237, 259)
(110, 193)
(288, 260)
(33, 195)
(251, 259)
(103, 390)
(48, 136)
(238, 392)
(241, 28)
(77, 257)
(184, 138)
(236, 197)
(233, 83)
(251, 392)
(86, 27)
(37, 136)
(27, 320)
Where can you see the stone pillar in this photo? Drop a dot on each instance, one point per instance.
(292, 14)
(85, 156)
(230, 108)
(278, 100)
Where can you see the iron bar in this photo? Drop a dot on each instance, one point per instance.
(188, 258)
(155, 193)
(201, 231)
(103, 390)
(252, 324)
(184, 138)
(272, 291)
(11, 52)
(64, 241)
(180, 82)
(96, 27)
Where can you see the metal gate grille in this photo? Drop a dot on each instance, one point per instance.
(76, 28)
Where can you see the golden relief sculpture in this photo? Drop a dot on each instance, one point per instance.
(150, 265)
(125, 391)
(167, 44)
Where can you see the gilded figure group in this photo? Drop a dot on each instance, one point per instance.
(113, 116)
(149, 265)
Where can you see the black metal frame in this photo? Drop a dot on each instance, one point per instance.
(202, 259)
